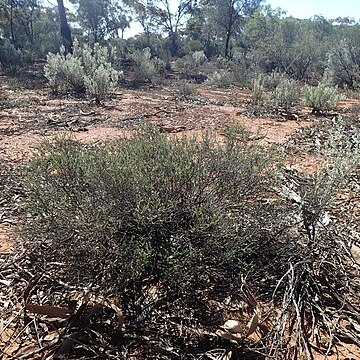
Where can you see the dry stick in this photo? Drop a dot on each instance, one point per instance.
(140, 116)
(40, 350)
(8, 323)
(18, 335)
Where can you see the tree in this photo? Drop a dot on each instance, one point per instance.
(102, 18)
(64, 28)
(20, 15)
(169, 16)
(226, 17)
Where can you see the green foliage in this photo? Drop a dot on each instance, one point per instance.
(10, 57)
(285, 94)
(101, 18)
(258, 89)
(175, 212)
(32, 30)
(285, 44)
(147, 68)
(186, 90)
(221, 79)
(85, 71)
(343, 66)
(191, 62)
(320, 98)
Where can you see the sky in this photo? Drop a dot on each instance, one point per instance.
(330, 9)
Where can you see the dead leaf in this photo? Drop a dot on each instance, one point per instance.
(233, 327)
(252, 325)
(53, 311)
(50, 337)
(229, 336)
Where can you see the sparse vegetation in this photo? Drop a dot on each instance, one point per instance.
(285, 94)
(258, 90)
(320, 98)
(221, 79)
(165, 226)
(146, 68)
(85, 71)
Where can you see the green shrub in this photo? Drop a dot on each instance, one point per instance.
(10, 57)
(258, 89)
(191, 62)
(85, 71)
(273, 80)
(146, 68)
(177, 211)
(343, 65)
(320, 98)
(186, 90)
(285, 94)
(220, 79)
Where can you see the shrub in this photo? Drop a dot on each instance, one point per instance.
(85, 71)
(285, 94)
(10, 57)
(273, 80)
(320, 98)
(176, 223)
(186, 90)
(147, 68)
(191, 62)
(180, 212)
(343, 66)
(258, 89)
(220, 79)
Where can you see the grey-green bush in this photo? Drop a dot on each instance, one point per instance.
(10, 57)
(320, 98)
(146, 67)
(221, 79)
(285, 94)
(86, 71)
(258, 89)
(343, 65)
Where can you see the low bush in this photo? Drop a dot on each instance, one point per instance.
(320, 98)
(178, 212)
(191, 62)
(186, 220)
(258, 89)
(219, 79)
(146, 68)
(11, 59)
(86, 71)
(273, 80)
(186, 90)
(285, 94)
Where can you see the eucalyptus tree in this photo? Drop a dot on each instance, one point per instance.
(101, 19)
(167, 16)
(64, 28)
(226, 17)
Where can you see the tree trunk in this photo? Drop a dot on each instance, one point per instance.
(227, 45)
(12, 22)
(64, 28)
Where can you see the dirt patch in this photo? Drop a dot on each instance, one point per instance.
(307, 163)
(6, 243)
